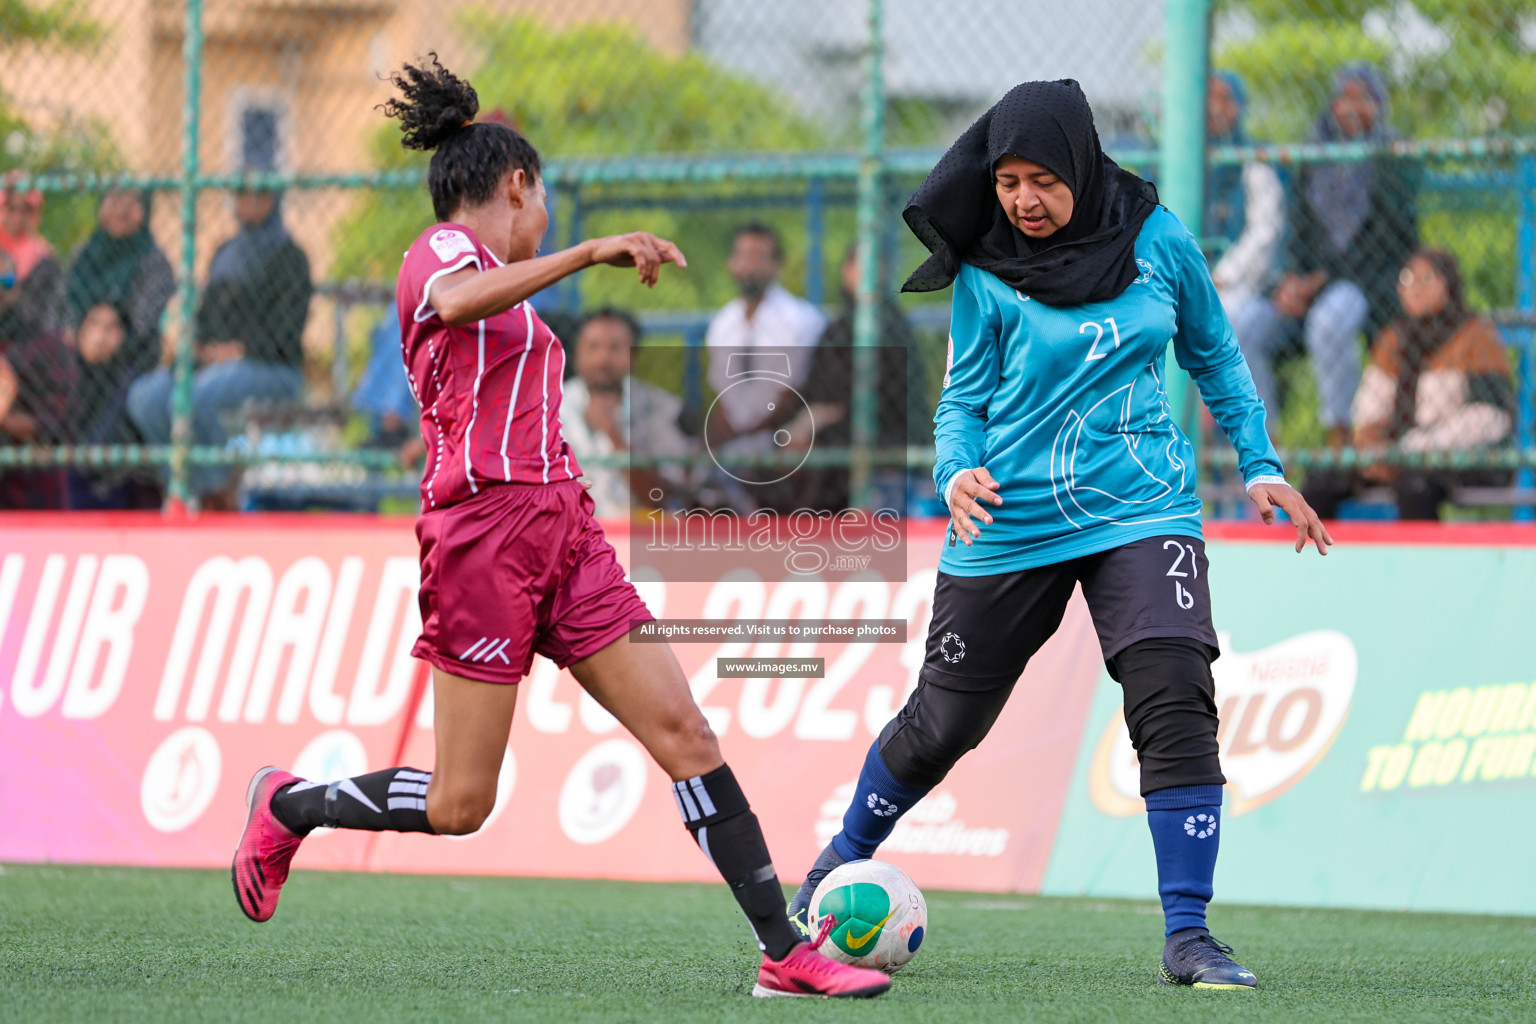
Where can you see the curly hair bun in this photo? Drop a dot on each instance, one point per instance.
(435, 106)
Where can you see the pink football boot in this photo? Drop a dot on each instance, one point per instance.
(808, 974)
(266, 847)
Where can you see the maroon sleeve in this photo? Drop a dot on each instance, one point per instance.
(442, 251)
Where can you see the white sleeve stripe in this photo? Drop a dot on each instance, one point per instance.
(949, 486)
(425, 312)
(1267, 478)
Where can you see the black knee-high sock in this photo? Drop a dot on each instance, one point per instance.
(716, 812)
(393, 800)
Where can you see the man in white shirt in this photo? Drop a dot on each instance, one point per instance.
(765, 315)
(606, 411)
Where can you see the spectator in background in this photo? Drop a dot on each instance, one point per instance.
(1438, 381)
(20, 217)
(99, 412)
(754, 336)
(383, 392)
(120, 265)
(765, 315)
(1353, 227)
(114, 296)
(605, 411)
(32, 255)
(250, 326)
(37, 377)
(1245, 203)
(903, 413)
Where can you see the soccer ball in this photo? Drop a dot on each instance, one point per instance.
(881, 916)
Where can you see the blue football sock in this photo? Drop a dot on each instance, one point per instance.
(878, 801)
(1183, 820)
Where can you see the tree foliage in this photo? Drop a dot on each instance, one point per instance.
(62, 23)
(1455, 68)
(593, 90)
(71, 146)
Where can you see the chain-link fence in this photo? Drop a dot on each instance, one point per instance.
(1371, 220)
(210, 212)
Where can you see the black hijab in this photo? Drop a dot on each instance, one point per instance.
(955, 212)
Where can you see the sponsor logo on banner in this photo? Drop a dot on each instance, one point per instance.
(219, 647)
(1281, 708)
(1462, 736)
(931, 826)
(180, 779)
(602, 792)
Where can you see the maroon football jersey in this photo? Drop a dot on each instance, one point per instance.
(489, 391)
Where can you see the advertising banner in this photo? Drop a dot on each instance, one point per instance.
(147, 669)
(1378, 729)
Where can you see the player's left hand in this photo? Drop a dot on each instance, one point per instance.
(1308, 525)
(639, 249)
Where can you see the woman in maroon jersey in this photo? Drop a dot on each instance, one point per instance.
(512, 562)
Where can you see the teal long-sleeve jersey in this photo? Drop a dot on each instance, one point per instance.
(1066, 408)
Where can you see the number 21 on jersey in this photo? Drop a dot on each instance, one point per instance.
(1098, 328)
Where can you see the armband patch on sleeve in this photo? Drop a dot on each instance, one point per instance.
(448, 243)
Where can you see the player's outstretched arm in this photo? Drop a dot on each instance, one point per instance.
(1308, 525)
(468, 295)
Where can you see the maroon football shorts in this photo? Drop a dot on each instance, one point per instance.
(516, 570)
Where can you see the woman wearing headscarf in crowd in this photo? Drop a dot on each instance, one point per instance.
(250, 326)
(1245, 203)
(1438, 381)
(1353, 225)
(114, 296)
(37, 378)
(20, 217)
(1062, 465)
(32, 255)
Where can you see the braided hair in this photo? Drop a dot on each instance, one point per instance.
(470, 159)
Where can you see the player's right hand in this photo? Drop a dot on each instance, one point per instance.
(970, 489)
(639, 249)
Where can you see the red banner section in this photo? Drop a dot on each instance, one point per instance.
(148, 668)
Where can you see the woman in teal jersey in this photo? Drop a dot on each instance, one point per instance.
(1058, 456)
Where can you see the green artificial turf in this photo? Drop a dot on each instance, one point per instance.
(112, 944)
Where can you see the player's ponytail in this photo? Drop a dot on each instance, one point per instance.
(469, 160)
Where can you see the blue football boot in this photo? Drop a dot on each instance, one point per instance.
(1191, 957)
(800, 906)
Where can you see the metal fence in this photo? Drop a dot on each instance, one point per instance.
(225, 209)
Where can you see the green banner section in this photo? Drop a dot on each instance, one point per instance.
(1378, 730)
